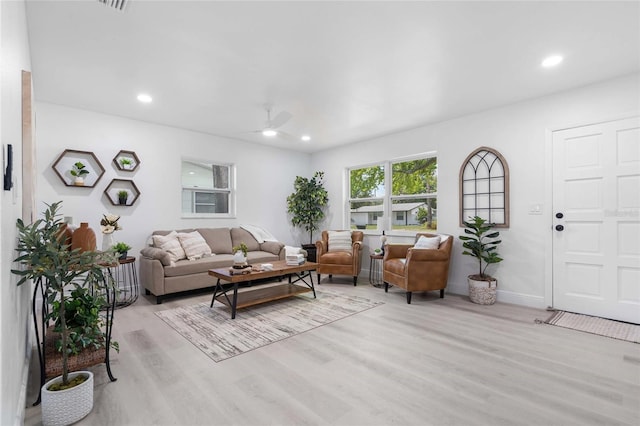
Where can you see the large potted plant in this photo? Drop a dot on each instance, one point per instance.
(73, 282)
(306, 206)
(480, 241)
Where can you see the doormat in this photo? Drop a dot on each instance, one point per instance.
(217, 335)
(596, 325)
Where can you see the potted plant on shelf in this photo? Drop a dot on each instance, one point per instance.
(122, 249)
(79, 171)
(306, 206)
(122, 196)
(72, 281)
(125, 163)
(481, 242)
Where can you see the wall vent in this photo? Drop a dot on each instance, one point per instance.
(115, 4)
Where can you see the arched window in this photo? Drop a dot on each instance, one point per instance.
(484, 187)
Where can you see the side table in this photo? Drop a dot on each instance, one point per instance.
(126, 279)
(375, 270)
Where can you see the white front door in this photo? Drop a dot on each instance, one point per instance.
(596, 220)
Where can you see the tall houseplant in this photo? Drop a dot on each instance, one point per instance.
(73, 281)
(306, 204)
(481, 241)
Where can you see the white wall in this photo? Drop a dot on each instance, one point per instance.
(14, 301)
(265, 175)
(519, 132)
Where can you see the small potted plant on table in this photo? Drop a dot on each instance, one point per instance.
(122, 249)
(481, 242)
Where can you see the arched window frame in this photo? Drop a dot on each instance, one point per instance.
(484, 187)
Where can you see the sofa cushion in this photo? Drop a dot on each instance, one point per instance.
(427, 242)
(171, 245)
(339, 241)
(336, 258)
(272, 247)
(189, 267)
(255, 257)
(194, 245)
(218, 239)
(239, 235)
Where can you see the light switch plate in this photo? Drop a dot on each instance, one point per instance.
(535, 209)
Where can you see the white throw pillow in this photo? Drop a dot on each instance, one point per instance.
(340, 241)
(427, 242)
(195, 247)
(171, 245)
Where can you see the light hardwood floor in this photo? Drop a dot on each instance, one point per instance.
(434, 362)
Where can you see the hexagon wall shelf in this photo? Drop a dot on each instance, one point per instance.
(126, 161)
(68, 158)
(117, 185)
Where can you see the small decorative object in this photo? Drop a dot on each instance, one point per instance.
(122, 249)
(79, 171)
(240, 255)
(83, 238)
(122, 197)
(126, 163)
(383, 240)
(108, 225)
(480, 242)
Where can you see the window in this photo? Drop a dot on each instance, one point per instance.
(404, 190)
(484, 187)
(207, 189)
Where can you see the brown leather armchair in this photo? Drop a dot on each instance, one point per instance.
(339, 262)
(417, 269)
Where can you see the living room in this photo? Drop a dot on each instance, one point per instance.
(520, 130)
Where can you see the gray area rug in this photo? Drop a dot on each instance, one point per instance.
(214, 332)
(595, 325)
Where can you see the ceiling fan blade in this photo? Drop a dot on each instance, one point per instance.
(280, 119)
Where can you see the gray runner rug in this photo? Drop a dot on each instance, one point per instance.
(595, 325)
(214, 332)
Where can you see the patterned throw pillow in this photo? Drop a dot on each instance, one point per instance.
(340, 241)
(427, 242)
(194, 245)
(171, 245)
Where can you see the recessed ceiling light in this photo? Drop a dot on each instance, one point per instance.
(144, 98)
(552, 61)
(306, 138)
(269, 132)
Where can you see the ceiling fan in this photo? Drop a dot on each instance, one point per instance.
(271, 126)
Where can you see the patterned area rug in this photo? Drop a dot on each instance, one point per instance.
(595, 325)
(214, 332)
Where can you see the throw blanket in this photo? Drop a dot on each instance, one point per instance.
(261, 235)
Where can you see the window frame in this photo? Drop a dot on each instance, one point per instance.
(387, 198)
(230, 191)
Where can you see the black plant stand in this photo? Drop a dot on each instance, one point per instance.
(41, 325)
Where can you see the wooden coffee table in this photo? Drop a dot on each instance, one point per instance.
(262, 293)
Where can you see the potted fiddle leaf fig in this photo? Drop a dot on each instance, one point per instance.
(306, 206)
(481, 241)
(73, 282)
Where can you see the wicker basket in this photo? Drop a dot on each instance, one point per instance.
(53, 366)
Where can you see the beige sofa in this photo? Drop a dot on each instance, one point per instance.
(161, 276)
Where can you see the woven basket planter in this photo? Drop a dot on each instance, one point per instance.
(482, 292)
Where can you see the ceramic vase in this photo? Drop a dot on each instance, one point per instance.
(107, 241)
(65, 235)
(83, 238)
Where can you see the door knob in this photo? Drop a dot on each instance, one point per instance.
(559, 228)
(559, 215)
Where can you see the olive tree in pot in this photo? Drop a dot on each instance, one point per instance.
(480, 241)
(73, 283)
(306, 206)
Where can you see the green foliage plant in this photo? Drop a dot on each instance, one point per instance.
(121, 247)
(481, 242)
(124, 161)
(123, 194)
(79, 169)
(307, 202)
(44, 255)
(242, 247)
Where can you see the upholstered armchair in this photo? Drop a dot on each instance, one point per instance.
(418, 269)
(339, 252)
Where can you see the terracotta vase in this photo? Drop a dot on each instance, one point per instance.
(84, 238)
(65, 235)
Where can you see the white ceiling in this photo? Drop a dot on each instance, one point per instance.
(346, 71)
